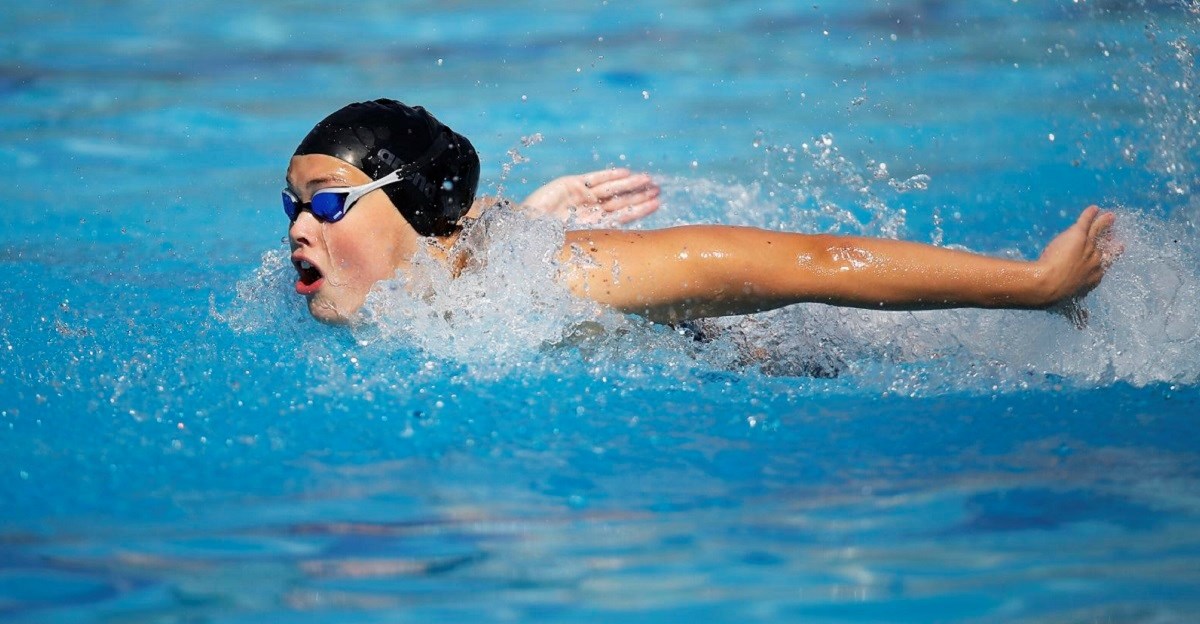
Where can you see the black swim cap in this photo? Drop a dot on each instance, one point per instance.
(385, 135)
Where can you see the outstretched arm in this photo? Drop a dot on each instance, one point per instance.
(606, 197)
(698, 271)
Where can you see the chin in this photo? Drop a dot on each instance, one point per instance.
(327, 312)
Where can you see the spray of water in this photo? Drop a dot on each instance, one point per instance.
(507, 313)
(1164, 142)
(266, 299)
(504, 307)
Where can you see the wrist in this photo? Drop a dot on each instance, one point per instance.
(1042, 289)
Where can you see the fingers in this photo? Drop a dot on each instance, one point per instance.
(617, 196)
(620, 209)
(611, 196)
(631, 206)
(1072, 309)
(1076, 313)
(1101, 234)
(1111, 252)
(1088, 215)
(1097, 229)
(596, 178)
(628, 183)
(1101, 224)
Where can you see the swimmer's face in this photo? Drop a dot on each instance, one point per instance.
(338, 263)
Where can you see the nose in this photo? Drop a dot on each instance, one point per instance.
(304, 230)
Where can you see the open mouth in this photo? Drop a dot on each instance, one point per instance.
(309, 277)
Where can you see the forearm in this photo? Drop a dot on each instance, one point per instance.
(713, 271)
(901, 275)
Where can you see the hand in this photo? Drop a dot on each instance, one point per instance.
(606, 197)
(1075, 262)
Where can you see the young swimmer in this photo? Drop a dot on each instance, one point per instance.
(345, 237)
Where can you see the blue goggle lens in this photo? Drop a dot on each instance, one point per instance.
(290, 207)
(330, 205)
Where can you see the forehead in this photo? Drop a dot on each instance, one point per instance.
(314, 171)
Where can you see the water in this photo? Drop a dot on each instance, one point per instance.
(179, 442)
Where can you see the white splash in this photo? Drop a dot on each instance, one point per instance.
(505, 307)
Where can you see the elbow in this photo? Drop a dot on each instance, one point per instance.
(829, 254)
(784, 268)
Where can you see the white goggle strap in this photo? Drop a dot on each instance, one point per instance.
(354, 193)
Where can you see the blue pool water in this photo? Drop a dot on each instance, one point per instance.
(180, 443)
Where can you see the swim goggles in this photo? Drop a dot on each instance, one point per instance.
(331, 204)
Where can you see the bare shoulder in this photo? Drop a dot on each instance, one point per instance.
(482, 204)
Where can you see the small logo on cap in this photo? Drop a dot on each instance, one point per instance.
(387, 157)
(418, 180)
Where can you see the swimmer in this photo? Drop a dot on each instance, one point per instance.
(346, 237)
